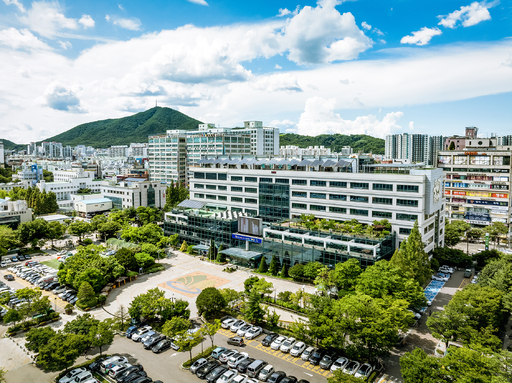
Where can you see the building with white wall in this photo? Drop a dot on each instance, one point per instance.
(118, 151)
(66, 175)
(416, 148)
(125, 195)
(12, 213)
(293, 150)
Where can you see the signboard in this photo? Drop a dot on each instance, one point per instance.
(475, 222)
(458, 192)
(486, 241)
(499, 195)
(478, 194)
(494, 203)
(246, 238)
(251, 226)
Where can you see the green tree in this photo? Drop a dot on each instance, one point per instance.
(126, 258)
(102, 334)
(38, 337)
(339, 376)
(210, 329)
(12, 316)
(32, 232)
(8, 239)
(253, 311)
(412, 259)
(498, 274)
(174, 239)
(482, 258)
(274, 266)
(61, 351)
(263, 265)
(418, 367)
(150, 249)
(248, 284)
(153, 304)
(496, 230)
(108, 229)
(297, 272)
(284, 271)
(311, 269)
(454, 231)
(175, 326)
(452, 146)
(345, 274)
(186, 342)
(262, 287)
(144, 260)
(210, 302)
(183, 247)
(221, 258)
(93, 276)
(81, 325)
(86, 294)
(231, 296)
(79, 228)
(55, 230)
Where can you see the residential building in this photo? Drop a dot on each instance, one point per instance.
(66, 175)
(138, 150)
(12, 213)
(167, 155)
(293, 150)
(281, 189)
(135, 194)
(416, 148)
(118, 151)
(29, 172)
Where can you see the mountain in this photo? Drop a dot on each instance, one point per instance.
(335, 142)
(123, 131)
(9, 145)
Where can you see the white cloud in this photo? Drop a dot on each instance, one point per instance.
(63, 98)
(200, 2)
(16, 3)
(319, 117)
(468, 15)
(278, 66)
(132, 24)
(21, 39)
(277, 82)
(47, 19)
(86, 21)
(65, 44)
(286, 125)
(283, 12)
(366, 26)
(411, 124)
(120, 7)
(421, 37)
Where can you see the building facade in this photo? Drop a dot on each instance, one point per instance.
(135, 194)
(12, 213)
(416, 148)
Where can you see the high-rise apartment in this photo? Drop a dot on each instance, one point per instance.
(416, 148)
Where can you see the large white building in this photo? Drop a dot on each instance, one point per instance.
(293, 150)
(13, 213)
(135, 194)
(416, 148)
(66, 175)
(280, 189)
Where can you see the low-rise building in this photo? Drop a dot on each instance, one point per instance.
(12, 213)
(135, 194)
(90, 207)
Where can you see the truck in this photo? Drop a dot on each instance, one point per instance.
(468, 273)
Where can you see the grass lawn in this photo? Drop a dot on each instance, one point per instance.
(52, 263)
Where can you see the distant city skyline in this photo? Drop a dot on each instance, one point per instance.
(349, 67)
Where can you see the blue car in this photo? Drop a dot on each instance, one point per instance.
(131, 330)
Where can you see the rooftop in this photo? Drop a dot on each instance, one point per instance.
(95, 200)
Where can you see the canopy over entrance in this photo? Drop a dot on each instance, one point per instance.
(243, 257)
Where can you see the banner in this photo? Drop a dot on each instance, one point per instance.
(458, 192)
(499, 195)
(494, 203)
(479, 194)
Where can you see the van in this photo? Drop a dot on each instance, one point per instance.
(255, 367)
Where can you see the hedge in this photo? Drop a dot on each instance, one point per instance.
(155, 268)
(24, 326)
(132, 273)
(85, 364)
(88, 304)
(203, 354)
(285, 305)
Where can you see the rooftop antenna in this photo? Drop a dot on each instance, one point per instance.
(156, 103)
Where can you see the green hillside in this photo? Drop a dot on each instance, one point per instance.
(335, 142)
(123, 131)
(9, 145)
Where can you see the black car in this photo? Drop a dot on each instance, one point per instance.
(129, 371)
(289, 379)
(27, 257)
(133, 376)
(51, 286)
(131, 330)
(327, 361)
(143, 379)
(242, 366)
(303, 381)
(162, 345)
(236, 341)
(316, 356)
(215, 374)
(276, 377)
(148, 344)
(268, 339)
(9, 277)
(21, 258)
(95, 366)
(206, 369)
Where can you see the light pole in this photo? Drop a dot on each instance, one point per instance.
(55, 304)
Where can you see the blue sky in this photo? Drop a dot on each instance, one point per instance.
(350, 67)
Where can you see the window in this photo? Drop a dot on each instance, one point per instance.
(199, 175)
(317, 207)
(340, 210)
(407, 202)
(299, 194)
(407, 188)
(267, 180)
(359, 185)
(382, 214)
(222, 187)
(236, 188)
(299, 182)
(317, 183)
(282, 181)
(222, 177)
(317, 195)
(211, 176)
(236, 178)
(299, 206)
(211, 187)
(406, 217)
(251, 212)
(251, 179)
(251, 200)
(404, 231)
(198, 186)
(223, 198)
(197, 195)
(359, 212)
(382, 201)
(236, 199)
(337, 184)
(357, 198)
(251, 190)
(211, 196)
(387, 187)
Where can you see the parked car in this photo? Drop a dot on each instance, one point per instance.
(9, 277)
(339, 364)
(327, 361)
(351, 367)
(147, 335)
(289, 379)
(236, 341)
(267, 341)
(276, 377)
(242, 330)
(277, 342)
(215, 374)
(440, 277)
(130, 370)
(162, 345)
(131, 330)
(137, 335)
(149, 343)
(287, 345)
(236, 359)
(446, 269)
(59, 289)
(217, 352)
(241, 378)
(131, 376)
(117, 370)
(227, 377)
(72, 375)
(206, 369)
(223, 358)
(113, 360)
(95, 366)
(227, 323)
(364, 371)
(197, 364)
(242, 366)
(297, 349)
(254, 332)
(21, 257)
(237, 325)
(266, 372)
(316, 356)
(468, 273)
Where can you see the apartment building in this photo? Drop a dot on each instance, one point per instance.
(416, 148)
(118, 151)
(66, 175)
(167, 154)
(281, 189)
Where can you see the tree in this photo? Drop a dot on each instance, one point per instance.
(340, 377)
(296, 272)
(263, 265)
(8, 239)
(108, 229)
(498, 274)
(126, 258)
(221, 258)
(211, 250)
(253, 311)
(482, 258)
(284, 271)
(262, 287)
(175, 326)
(311, 269)
(153, 304)
(495, 230)
(186, 341)
(454, 230)
(144, 260)
(174, 239)
(210, 302)
(92, 275)
(12, 316)
(150, 233)
(81, 325)
(274, 266)
(183, 247)
(121, 318)
(102, 334)
(418, 367)
(61, 351)
(248, 283)
(452, 146)
(231, 296)
(345, 274)
(32, 232)
(86, 294)
(79, 228)
(55, 230)
(412, 259)
(2, 375)
(210, 329)
(38, 337)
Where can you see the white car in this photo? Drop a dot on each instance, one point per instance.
(3, 264)
(277, 342)
(223, 358)
(237, 325)
(243, 330)
(297, 349)
(242, 378)
(364, 371)
(227, 377)
(440, 277)
(115, 371)
(82, 377)
(228, 322)
(266, 372)
(307, 353)
(475, 279)
(351, 367)
(140, 332)
(70, 376)
(117, 360)
(339, 364)
(446, 269)
(287, 345)
(254, 332)
(236, 359)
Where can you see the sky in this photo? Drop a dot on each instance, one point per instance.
(372, 67)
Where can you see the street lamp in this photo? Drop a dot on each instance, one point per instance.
(55, 304)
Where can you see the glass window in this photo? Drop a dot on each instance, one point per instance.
(334, 209)
(268, 180)
(211, 196)
(299, 194)
(406, 217)
(317, 183)
(387, 187)
(407, 188)
(359, 185)
(337, 184)
(359, 212)
(251, 190)
(317, 195)
(299, 205)
(357, 198)
(382, 214)
(299, 182)
(338, 197)
(222, 187)
(236, 199)
(198, 186)
(251, 211)
(251, 179)
(282, 181)
(251, 200)
(223, 198)
(198, 195)
(236, 178)
(407, 202)
(211, 187)
(222, 176)
(317, 207)
(211, 176)
(199, 175)
(404, 231)
(236, 188)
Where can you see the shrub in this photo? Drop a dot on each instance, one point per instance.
(87, 304)
(204, 354)
(190, 249)
(87, 242)
(102, 299)
(155, 268)
(69, 308)
(131, 273)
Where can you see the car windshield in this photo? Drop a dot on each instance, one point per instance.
(363, 370)
(288, 342)
(316, 354)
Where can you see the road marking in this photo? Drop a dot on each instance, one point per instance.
(308, 374)
(173, 354)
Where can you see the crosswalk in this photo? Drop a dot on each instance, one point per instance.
(278, 354)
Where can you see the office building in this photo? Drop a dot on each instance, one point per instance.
(415, 148)
(144, 193)
(12, 213)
